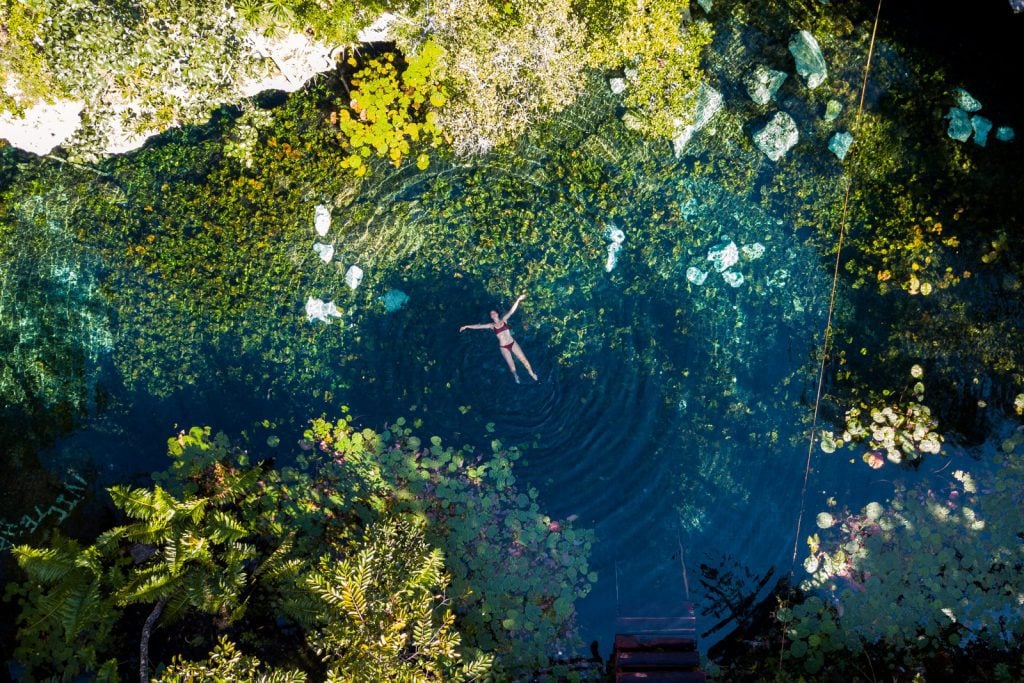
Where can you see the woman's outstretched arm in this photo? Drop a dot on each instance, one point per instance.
(480, 326)
(515, 305)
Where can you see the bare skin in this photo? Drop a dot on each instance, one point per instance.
(508, 346)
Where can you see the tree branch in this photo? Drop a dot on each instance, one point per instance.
(147, 628)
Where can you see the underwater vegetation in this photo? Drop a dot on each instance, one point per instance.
(372, 546)
(185, 269)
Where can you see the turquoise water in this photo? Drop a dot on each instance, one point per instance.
(671, 417)
(678, 421)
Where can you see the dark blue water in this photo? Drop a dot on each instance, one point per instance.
(680, 438)
(677, 427)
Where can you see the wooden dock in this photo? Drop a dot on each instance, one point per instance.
(657, 649)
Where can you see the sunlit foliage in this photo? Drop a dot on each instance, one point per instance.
(392, 106)
(385, 559)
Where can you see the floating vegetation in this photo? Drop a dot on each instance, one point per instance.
(903, 432)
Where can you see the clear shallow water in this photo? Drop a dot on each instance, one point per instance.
(668, 416)
(682, 424)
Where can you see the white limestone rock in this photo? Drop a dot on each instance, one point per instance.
(732, 278)
(724, 254)
(322, 219)
(324, 251)
(317, 309)
(353, 276)
(708, 102)
(810, 63)
(696, 275)
(763, 83)
(777, 136)
(752, 252)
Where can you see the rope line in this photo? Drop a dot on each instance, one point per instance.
(832, 301)
(828, 320)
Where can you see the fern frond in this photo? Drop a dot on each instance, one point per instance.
(148, 585)
(80, 606)
(223, 528)
(278, 564)
(45, 565)
(140, 504)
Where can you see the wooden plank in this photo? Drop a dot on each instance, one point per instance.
(661, 677)
(672, 661)
(625, 641)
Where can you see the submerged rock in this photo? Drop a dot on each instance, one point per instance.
(696, 275)
(960, 127)
(981, 127)
(324, 251)
(966, 101)
(393, 300)
(616, 237)
(832, 110)
(724, 254)
(810, 63)
(763, 83)
(840, 144)
(316, 309)
(705, 5)
(709, 101)
(1005, 134)
(732, 278)
(354, 276)
(752, 252)
(322, 219)
(778, 136)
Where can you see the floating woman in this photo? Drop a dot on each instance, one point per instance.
(506, 343)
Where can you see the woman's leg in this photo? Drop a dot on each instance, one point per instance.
(511, 363)
(522, 358)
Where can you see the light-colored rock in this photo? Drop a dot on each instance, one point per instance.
(981, 127)
(296, 59)
(617, 85)
(1005, 134)
(44, 126)
(724, 254)
(966, 101)
(732, 278)
(316, 309)
(810, 63)
(696, 275)
(324, 251)
(615, 237)
(840, 143)
(832, 110)
(708, 102)
(752, 252)
(353, 276)
(763, 83)
(379, 31)
(778, 136)
(960, 127)
(322, 219)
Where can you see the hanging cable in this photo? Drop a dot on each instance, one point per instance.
(831, 307)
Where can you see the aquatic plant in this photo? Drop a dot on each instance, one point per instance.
(388, 109)
(515, 572)
(931, 570)
(903, 431)
(228, 542)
